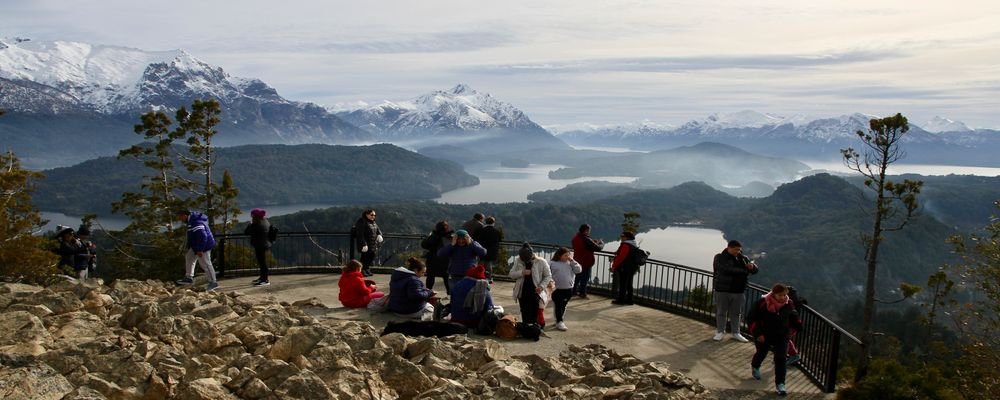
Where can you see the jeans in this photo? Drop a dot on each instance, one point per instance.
(205, 262)
(728, 305)
(779, 358)
(261, 253)
(581, 281)
(561, 298)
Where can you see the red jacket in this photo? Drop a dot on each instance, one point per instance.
(354, 293)
(583, 249)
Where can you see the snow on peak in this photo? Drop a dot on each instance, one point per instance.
(939, 124)
(462, 88)
(744, 119)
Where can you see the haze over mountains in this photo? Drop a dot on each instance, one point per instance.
(68, 102)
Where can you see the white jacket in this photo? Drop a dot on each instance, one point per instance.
(541, 275)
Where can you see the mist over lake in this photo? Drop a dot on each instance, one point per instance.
(513, 185)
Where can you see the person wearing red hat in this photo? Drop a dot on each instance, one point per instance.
(471, 297)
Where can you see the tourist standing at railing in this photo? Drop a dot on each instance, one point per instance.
(624, 267)
(583, 252)
(369, 237)
(463, 253)
(257, 230)
(408, 297)
(771, 318)
(564, 271)
(731, 271)
(355, 290)
(437, 266)
(533, 277)
(474, 225)
(490, 237)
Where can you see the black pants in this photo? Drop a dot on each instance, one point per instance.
(261, 253)
(366, 261)
(561, 298)
(430, 282)
(529, 306)
(624, 278)
(779, 350)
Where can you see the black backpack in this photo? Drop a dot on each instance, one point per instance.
(641, 256)
(272, 234)
(488, 323)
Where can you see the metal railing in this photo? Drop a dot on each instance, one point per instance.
(662, 285)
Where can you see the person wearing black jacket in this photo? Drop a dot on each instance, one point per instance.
(490, 237)
(257, 230)
(771, 319)
(437, 266)
(368, 237)
(731, 270)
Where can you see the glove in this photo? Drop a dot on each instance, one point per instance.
(364, 249)
(379, 239)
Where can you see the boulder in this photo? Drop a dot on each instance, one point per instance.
(37, 381)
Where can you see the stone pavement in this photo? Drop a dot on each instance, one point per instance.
(651, 335)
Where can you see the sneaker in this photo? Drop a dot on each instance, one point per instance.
(561, 326)
(781, 389)
(185, 281)
(262, 283)
(793, 359)
(755, 373)
(739, 338)
(718, 336)
(255, 281)
(212, 286)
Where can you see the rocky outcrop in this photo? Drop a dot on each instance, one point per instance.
(149, 340)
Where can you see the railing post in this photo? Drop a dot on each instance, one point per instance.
(222, 258)
(831, 373)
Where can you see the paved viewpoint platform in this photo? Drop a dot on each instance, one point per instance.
(651, 335)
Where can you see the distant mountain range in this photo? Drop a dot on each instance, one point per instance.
(68, 102)
(942, 142)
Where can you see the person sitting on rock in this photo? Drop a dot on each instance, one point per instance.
(355, 290)
(471, 298)
(408, 297)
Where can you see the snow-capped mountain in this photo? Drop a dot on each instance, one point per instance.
(54, 88)
(939, 124)
(799, 137)
(459, 117)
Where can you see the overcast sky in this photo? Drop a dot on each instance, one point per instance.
(579, 61)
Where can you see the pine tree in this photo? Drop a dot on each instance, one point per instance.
(881, 149)
(199, 127)
(227, 205)
(23, 257)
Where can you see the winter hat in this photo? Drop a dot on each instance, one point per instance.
(462, 233)
(64, 231)
(84, 230)
(478, 272)
(526, 252)
(258, 213)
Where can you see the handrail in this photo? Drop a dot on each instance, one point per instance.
(662, 285)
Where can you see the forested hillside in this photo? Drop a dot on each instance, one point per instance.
(271, 175)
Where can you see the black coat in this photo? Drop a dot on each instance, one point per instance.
(731, 272)
(436, 266)
(489, 237)
(258, 233)
(367, 232)
(773, 326)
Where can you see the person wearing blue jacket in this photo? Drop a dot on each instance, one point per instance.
(199, 247)
(471, 298)
(407, 294)
(463, 253)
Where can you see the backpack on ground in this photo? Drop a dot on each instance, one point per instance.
(272, 234)
(488, 323)
(507, 327)
(530, 330)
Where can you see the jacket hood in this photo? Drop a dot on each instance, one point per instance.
(197, 217)
(631, 242)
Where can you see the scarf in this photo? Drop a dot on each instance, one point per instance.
(476, 299)
(772, 303)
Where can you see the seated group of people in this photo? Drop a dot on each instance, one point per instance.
(410, 298)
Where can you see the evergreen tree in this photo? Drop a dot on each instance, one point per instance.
(199, 127)
(881, 148)
(631, 222)
(23, 257)
(227, 206)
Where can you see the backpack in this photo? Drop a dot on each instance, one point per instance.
(272, 234)
(507, 327)
(530, 330)
(640, 256)
(488, 323)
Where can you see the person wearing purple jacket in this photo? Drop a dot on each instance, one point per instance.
(463, 253)
(199, 247)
